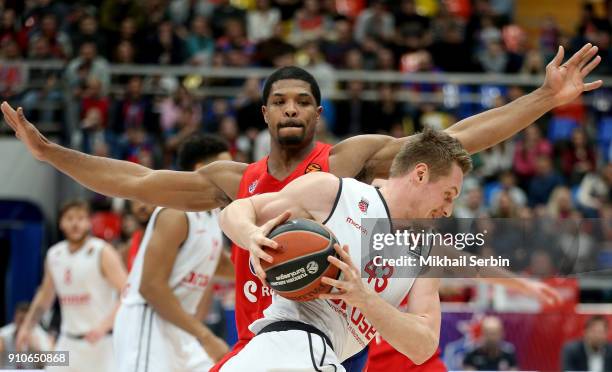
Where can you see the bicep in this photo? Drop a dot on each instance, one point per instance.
(170, 231)
(424, 301)
(365, 157)
(112, 267)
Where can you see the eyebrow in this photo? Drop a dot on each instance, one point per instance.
(303, 94)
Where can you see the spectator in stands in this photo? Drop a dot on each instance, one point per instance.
(94, 115)
(595, 191)
(507, 182)
(200, 45)
(593, 352)
(311, 58)
(541, 264)
(496, 160)
(375, 22)
(235, 45)
(354, 115)
(389, 112)
(125, 53)
(471, 204)
(134, 110)
(560, 204)
(451, 53)
(9, 30)
(222, 13)
(493, 58)
(505, 206)
(185, 125)
(164, 47)
(87, 65)
(39, 339)
(262, 20)
(113, 13)
(183, 12)
(338, 43)
(578, 158)
(493, 353)
(408, 23)
(527, 151)
(309, 23)
(59, 42)
(89, 32)
(239, 145)
(546, 179)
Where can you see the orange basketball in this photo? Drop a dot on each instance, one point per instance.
(301, 260)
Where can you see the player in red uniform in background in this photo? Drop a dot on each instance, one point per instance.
(291, 110)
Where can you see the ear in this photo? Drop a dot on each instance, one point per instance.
(421, 171)
(264, 112)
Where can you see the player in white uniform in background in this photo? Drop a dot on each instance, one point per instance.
(426, 177)
(159, 325)
(86, 274)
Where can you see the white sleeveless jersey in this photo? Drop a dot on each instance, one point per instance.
(195, 262)
(85, 295)
(358, 211)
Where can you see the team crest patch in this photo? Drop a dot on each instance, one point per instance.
(363, 205)
(253, 186)
(313, 167)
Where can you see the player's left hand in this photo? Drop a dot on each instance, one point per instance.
(351, 288)
(95, 335)
(565, 82)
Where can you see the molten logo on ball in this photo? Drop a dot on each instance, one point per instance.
(312, 267)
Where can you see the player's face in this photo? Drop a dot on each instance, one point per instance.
(75, 224)
(440, 195)
(291, 113)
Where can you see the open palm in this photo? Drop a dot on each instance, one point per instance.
(24, 130)
(566, 81)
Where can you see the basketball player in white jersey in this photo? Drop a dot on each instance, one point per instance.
(86, 274)
(158, 327)
(426, 177)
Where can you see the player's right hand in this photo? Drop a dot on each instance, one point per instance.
(25, 131)
(258, 240)
(214, 346)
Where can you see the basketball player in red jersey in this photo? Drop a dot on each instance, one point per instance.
(291, 109)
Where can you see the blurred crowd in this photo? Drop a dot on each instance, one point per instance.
(557, 168)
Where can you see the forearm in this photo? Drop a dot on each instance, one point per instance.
(238, 220)
(179, 190)
(165, 303)
(491, 127)
(407, 333)
(106, 176)
(40, 304)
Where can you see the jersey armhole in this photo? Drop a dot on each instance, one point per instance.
(331, 213)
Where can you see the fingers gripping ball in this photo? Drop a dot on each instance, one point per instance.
(301, 260)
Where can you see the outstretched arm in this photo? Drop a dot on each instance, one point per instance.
(207, 188)
(372, 154)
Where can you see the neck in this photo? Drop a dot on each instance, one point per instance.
(75, 245)
(282, 160)
(394, 200)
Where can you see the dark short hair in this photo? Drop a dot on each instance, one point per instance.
(292, 73)
(436, 149)
(594, 319)
(22, 307)
(198, 148)
(73, 204)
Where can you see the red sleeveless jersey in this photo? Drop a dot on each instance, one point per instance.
(251, 297)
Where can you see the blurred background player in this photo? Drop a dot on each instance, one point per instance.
(39, 339)
(159, 324)
(86, 274)
(591, 353)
